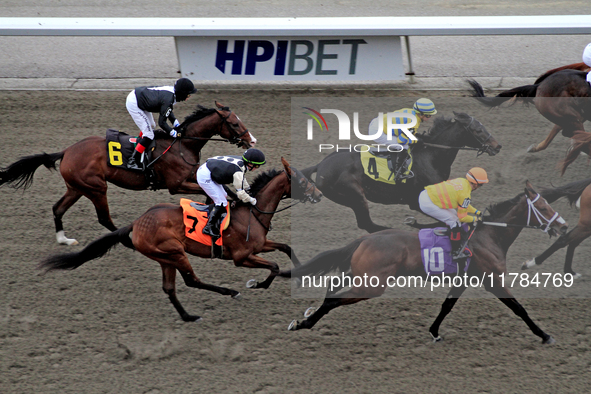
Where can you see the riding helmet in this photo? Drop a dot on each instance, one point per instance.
(425, 106)
(477, 176)
(254, 156)
(183, 88)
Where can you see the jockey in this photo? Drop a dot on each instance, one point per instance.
(587, 60)
(142, 101)
(220, 170)
(422, 109)
(449, 202)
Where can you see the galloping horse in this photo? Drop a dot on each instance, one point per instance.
(562, 97)
(341, 178)
(160, 235)
(395, 253)
(578, 193)
(86, 173)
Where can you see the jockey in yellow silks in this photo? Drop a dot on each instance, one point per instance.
(422, 111)
(450, 202)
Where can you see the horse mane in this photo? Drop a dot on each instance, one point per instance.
(499, 209)
(262, 180)
(440, 124)
(200, 113)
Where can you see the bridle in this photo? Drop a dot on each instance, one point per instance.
(544, 223)
(482, 141)
(234, 139)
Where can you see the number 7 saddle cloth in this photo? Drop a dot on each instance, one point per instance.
(195, 216)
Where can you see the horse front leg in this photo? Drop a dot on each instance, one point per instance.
(560, 243)
(254, 261)
(452, 297)
(503, 294)
(271, 246)
(544, 144)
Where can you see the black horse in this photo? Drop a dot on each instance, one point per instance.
(341, 178)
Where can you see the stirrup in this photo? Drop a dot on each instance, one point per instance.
(132, 165)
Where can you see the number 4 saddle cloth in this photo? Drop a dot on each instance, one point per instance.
(377, 166)
(436, 251)
(120, 146)
(195, 216)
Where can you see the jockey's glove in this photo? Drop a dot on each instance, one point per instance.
(253, 201)
(173, 133)
(478, 216)
(176, 123)
(242, 195)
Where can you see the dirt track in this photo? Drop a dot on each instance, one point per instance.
(108, 327)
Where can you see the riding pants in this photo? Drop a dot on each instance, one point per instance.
(213, 190)
(143, 119)
(448, 216)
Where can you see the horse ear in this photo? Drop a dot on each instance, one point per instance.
(286, 165)
(529, 187)
(218, 104)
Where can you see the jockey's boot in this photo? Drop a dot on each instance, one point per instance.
(212, 227)
(131, 163)
(458, 239)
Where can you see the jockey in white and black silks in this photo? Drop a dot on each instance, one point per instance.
(222, 170)
(144, 101)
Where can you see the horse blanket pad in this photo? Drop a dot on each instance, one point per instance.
(195, 216)
(436, 252)
(375, 166)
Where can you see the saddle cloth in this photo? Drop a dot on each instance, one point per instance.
(436, 252)
(375, 166)
(120, 147)
(195, 216)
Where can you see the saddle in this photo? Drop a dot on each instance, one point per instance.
(195, 216)
(436, 252)
(120, 147)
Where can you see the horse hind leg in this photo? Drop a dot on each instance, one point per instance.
(168, 285)
(59, 209)
(544, 144)
(254, 261)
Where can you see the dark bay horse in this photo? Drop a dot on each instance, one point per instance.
(396, 253)
(341, 178)
(579, 194)
(160, 235)
(86, 173)
(562, 97)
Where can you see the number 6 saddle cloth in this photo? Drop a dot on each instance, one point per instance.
(195, 216)
(375, 166)
(120, 146)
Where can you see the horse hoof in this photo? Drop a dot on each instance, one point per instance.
(410, 220)
(528, 264)
(437, 338)
(577, 276)
(549, 341)
(63, 240)
(251, 284)
(237, 296)
(309, 312)
(532, 148)
(191, 318)
(293, 326)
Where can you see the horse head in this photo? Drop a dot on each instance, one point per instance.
(481, 138)
(306, 190)
(233, 129)
(540, 210)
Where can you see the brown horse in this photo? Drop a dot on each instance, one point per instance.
(396, 253)
(160, 235)
(562, 97)
(86, 173)
(575, 66)
(578, 193)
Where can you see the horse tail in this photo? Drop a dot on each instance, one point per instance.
(95, 250)
(580, 142)
(575, 66)
(20, 173)
(522, 92)
(572, 191)
(325, 262)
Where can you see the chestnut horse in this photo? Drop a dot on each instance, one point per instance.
(395, 253)
(562, 97)
(578, 193)
(86, 173)
(160, 235)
